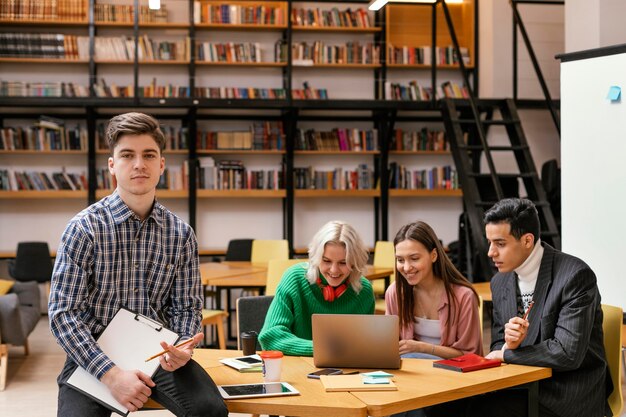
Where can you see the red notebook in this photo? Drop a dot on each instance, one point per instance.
(467, 363)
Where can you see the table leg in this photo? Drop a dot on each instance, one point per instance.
(533, 399)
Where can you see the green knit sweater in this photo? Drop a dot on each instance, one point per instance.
(288, 325)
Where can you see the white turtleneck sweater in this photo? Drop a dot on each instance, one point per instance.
(527, 274)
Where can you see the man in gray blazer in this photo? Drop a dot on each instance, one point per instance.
(563, 328)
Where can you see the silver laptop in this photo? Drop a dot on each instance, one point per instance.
(356, 341)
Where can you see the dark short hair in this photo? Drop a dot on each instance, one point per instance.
(520, 213)
(134, 123)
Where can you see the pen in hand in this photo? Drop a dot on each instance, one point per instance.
(186, 342)
(528, 311)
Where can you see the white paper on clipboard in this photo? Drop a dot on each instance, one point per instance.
(128, 340)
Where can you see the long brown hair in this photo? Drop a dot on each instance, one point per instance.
(442, 269)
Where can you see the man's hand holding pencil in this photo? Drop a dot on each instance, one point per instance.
(515, 330)
(176, 356)
(514, 333)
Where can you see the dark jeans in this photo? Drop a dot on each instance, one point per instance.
(188, 391)
(510, 403)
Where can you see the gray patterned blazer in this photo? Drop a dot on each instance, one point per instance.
(565, 334)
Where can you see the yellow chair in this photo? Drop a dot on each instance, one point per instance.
(612, 328)
(480, 316)
(264, 250)
(215, 318)
(275, 270)
(384, 256)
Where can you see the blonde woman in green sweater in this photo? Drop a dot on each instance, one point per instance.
(330, 283)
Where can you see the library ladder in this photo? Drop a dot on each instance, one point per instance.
(481, 190)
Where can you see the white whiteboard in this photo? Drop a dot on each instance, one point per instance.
(593, 165)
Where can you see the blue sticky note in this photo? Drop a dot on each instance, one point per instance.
(614, 93)
(370, 380)
(377, 374)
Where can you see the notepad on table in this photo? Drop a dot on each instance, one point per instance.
(333, 383)
(251, 363)
(467, 363)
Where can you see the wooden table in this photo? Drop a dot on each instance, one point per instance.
(313, 401)
(419, 385)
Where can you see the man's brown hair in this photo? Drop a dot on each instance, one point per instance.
(134, 123)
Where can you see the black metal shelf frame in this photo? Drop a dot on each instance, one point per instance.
(383, 113)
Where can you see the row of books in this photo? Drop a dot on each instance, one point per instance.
(104, 179)
(415, 92)
(337, 140)
(423, 55)
(234, 14)
(393, 91)
(240, 92)
(232, 175)
(122, 48)
(331, 18)
(42, 89)
(308, 178)
(420, 140)
(173, 178)
(102, 89)
(122, 13)
(263, 135)
(229, 52)
(309, 93)
(436, 178)
(11, 180)
(68, 10)
(320, 53)
(42, 138)
(44, 45)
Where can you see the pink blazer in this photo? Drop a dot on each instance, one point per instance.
(461, 331)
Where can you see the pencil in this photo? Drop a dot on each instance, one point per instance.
(528, 311)
(186, 342)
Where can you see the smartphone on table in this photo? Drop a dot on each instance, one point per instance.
(326, 371)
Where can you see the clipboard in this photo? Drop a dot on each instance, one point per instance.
(128, 340)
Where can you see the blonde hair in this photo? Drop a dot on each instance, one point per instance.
(338, 233)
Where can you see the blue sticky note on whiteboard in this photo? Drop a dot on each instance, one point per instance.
(614, 93)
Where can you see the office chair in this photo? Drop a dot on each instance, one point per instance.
(275, 270)
(32, 262)
(239, 250)
(612, 329)
(251, 312)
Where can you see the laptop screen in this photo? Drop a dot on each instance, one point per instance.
(356, 341)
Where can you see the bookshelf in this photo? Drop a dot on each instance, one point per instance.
(259, 81)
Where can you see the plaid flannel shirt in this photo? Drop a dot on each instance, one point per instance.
(109, 258)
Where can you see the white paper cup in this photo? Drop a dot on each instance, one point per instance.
(272, 363)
